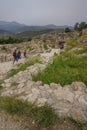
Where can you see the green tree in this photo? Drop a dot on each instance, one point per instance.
(76, 26)
(67, 30)
(80, 26)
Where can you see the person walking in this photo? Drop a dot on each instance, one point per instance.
(19, 55)
(24, 54)
(15, 56)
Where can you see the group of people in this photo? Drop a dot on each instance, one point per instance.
(17, 55)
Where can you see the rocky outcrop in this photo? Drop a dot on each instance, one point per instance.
(70, 100)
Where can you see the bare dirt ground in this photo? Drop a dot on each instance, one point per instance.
(11, 122)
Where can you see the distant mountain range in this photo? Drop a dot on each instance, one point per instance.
(14, 27)
(5, 33)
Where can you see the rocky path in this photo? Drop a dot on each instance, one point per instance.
(5, 67)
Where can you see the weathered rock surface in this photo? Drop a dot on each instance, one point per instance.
(70, 100)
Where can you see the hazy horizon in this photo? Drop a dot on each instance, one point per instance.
(44, 12)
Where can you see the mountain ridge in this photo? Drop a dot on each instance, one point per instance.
(16, 27)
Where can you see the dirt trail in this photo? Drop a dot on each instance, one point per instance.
(7, 122)
(5, 67)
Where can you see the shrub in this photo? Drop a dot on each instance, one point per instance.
(67, 30)
(45, 47)
(72, 42)
(29, 39)
(15, 106)
(45, 116)
(79, 125)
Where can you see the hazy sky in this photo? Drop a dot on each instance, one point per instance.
(42, 12)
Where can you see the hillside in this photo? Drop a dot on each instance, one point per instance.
(5, 34)
(49, 75)
(34, 33)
